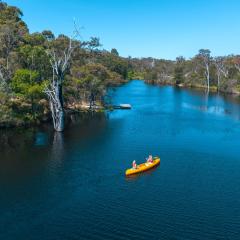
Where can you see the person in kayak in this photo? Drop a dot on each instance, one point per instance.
(134, 164)
(150, 159)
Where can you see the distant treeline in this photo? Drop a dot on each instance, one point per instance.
(202, 71)
(29, 62)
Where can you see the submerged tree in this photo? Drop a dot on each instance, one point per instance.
(60, 52)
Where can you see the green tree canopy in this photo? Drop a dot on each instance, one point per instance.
(27, 83)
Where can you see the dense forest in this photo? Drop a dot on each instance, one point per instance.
(42, 75)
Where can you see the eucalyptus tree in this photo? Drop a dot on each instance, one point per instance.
(12, 28)
(205, 56)
(93, 79)
(49, 36)
(35, 58)
(8, 41)
(179, 70)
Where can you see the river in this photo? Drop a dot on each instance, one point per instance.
(72, 185)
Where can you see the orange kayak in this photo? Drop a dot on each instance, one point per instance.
(143, 167)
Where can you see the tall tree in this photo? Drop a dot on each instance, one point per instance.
(12, 29)
(27, 83)
(60, 53)
(205, 56)
(221, 68)
(178, 70)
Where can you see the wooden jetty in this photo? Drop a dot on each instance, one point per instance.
(125, 106)
(122, 106)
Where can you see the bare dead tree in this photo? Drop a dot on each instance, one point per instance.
(204, 54)
(60, 61)
(221, 68)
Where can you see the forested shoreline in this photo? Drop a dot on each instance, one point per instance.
(27, 68)
(220, 73)
(35, 66)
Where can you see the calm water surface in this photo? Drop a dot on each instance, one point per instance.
(72, 186)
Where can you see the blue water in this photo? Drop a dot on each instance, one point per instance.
(72, 186)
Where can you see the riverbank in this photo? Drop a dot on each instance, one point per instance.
(213, 89)
(16, 111)
(22, 117)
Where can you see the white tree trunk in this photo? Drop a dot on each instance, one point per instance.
(57, 116)
(59, 110)
(56, 105)
(208, 77)
(222, 69)
(218, 78)
(60, 63)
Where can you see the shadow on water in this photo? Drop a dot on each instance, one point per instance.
(26, 154)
